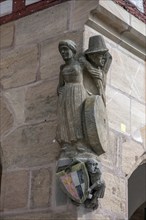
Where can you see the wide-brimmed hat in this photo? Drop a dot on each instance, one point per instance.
(96, 45)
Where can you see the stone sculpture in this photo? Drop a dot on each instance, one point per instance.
(82, 130)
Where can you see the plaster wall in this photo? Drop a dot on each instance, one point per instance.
(30, 64)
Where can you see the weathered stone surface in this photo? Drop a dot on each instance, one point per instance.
(138, 25)
(50, 62)
(29, 216)
(16, 98)
(43, 215)
(6, 117)
(118, 110)
(19, 67)
(139, 83)
(30, 146)
(138, 116)
(6, 35)
(124, 71)
(116, 10)
(115, 195)
(143, 135)
(128, 73)
(14, 190)
(94, 216)
(109, 158)
(48, 23)
(41, 188)
(65, 216)
(80, 12)
(131, 151)
(60, 197)
(41, 101)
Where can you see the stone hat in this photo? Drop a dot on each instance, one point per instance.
(96, 45)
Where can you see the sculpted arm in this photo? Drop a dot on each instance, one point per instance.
(61, 82)
(94, 72)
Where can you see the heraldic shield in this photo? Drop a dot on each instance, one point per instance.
(75, 182)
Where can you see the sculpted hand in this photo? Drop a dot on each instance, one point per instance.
(99, 183)
(89, 190)
(89, 194)
(96, 73)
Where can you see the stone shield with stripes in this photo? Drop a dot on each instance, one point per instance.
(75, 182)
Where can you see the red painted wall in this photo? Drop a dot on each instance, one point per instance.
(20, 9)
(131, 8)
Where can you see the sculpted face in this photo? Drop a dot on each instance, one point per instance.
(92, 166)
(97, 59)
(66, 53)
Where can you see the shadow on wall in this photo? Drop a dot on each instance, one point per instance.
(140, 213)
(137, 193)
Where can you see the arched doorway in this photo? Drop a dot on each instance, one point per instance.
(137, 194)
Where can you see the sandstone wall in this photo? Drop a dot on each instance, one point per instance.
(29, 76)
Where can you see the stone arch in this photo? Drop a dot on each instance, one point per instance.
(137, 186)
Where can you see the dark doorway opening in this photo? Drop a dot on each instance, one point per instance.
(137, 194)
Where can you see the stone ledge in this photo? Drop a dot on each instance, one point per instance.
(120, 26)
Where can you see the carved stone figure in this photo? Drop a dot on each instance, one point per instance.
(75, 96)
(82, 129)
(97, 185)
(72, 94)
(80, 179)
(97, 54)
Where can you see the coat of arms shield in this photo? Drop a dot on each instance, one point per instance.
(75, 182)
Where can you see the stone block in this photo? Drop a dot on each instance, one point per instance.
(80, 12)
(116, 10)
(131, 151)
(94, 216)
(115, 195)
(29, 216)
(6, 117)
(42, 25)
(6, 35)
(51, 61)
(19, 67)
(118, 110)
(16, 97)
(41, 101)
(41, 188)
(14, 190)
(138, 116)
(42, 215)
(143, 135)
(138, 25)
(125, 73)
(29, 146)
(65, 216)
(60, 197)
(109, 18)
(108, 159)
(139, 83)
